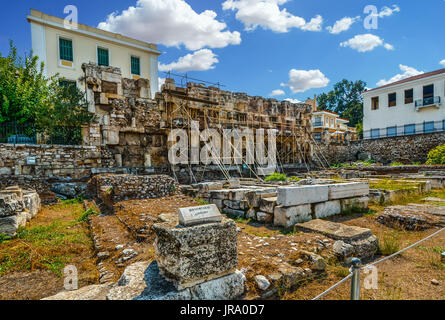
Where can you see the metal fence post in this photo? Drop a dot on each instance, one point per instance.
(443, 257)
(355, 282)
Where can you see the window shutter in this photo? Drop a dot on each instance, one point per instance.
(66, 49)
(103, 57)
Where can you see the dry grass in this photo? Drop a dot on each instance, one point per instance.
(53, 239)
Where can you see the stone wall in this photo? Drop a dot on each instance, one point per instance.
(128, 122)
(52, 160)
(406, 149)
(118, 187)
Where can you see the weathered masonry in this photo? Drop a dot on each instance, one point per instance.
(214, 108)
(135, 128)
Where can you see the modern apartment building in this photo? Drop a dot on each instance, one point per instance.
(410, 106)
(64, 50)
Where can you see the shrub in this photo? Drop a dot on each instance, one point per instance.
(276, 177)
(437, 155)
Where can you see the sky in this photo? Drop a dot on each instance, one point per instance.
(286, 49)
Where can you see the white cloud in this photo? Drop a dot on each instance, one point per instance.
(388, 46)
(292, 100)
(268, 15)
(442, 62)
(314, 24)
(407, 72)
(342, 25)
(201, 60)
(277, 92)
(387, 11)
(366, 42)
(303, 80)
(171, 23)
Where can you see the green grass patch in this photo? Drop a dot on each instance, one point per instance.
(4, 238)
(388, 184)
(396, 164)
(275, 177)
(49, 245)
(389, 245)
(87, 214)
(77, 200)
(202, 202)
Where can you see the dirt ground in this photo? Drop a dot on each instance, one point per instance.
(405, 277)
(129, 229)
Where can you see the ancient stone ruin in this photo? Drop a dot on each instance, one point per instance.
(195, 262)
(286, 205)
(135, 128)
(413, 217)
(17, 207)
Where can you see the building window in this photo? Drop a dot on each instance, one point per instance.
(103, 57)
(318, 122)
(410, 129)
(391, 131)
(409, 96)
(67, 83)
(317, 136)
(66, 49)
(375, 133)
(428, 95)
(428, 127)
(392, 99)
(375, 103)
(135, 66)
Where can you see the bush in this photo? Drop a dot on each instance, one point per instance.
(276, 177)
(437, 155)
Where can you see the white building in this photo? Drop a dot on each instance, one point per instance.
(411, 106)
(64, 50)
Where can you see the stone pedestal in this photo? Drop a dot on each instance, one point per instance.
(188, 256)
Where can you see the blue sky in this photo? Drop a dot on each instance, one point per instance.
(265, 45)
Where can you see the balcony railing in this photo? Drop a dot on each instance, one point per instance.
(426, 102)
(405, 130)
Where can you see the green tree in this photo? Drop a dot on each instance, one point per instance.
(23, 87)
(27, 96)
(346, 100)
